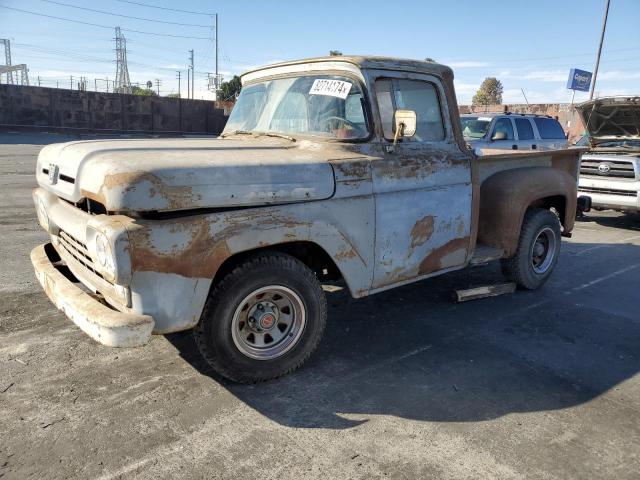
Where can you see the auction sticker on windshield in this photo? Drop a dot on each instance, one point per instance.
(332, 88)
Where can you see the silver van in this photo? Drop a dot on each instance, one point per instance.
(512, 131)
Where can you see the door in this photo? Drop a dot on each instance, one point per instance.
(507, 141)
(526, 138)
(422, 186)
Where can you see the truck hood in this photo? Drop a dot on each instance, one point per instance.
(611, 118)
(183, 174)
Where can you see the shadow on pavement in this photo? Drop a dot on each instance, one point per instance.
(412, 353)
(629, 221)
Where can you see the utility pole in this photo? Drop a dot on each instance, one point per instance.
(595, 70)
(158, 86)
(193, 74)
(38, 80)
(179, 91)
(95, 84)
(215, 80)
(188, 82)
(71, 82)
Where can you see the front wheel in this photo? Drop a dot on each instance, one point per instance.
(538, 250)
(262, 320)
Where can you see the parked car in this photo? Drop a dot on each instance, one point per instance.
(512, 131)
(346, 167)
(610, 171)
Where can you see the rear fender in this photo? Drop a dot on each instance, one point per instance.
(506, 196)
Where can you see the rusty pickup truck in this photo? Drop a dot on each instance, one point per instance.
(339, 168)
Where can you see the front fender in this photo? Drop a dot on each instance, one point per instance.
(505, 197)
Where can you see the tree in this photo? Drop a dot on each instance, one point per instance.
(173, 95)
(489, 93)
(144, 92)
(335, 53)
(231, 89)
(429, 59)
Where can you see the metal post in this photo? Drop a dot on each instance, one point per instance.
(215, 80)
(193, 74)
(595, 70)
(95, 84)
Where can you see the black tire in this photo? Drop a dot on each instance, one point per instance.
(214, 336)
(520, 268)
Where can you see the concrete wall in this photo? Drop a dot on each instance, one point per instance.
(565, 113)
(63, 110)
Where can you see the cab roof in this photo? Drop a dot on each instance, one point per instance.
(371, 62)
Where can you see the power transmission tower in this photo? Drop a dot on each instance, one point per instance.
(122, 84)
(192, 74)
(7, 57)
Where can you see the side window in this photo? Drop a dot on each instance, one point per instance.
(503, 125)
(549, 128)
(525, 130)
(416, 95)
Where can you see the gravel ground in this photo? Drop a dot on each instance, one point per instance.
(406, 384)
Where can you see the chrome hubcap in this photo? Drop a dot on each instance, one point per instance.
(268, 322)
(543, 250)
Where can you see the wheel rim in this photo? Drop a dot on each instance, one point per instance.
(543, 250)
(268, 322)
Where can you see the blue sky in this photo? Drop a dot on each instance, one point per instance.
(526, 44)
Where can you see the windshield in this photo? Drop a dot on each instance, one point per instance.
(474, 127)
(321, 105)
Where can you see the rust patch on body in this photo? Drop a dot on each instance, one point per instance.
(446, 256)
(199, 259)
(421, 231)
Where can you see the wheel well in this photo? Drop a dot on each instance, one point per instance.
(556, 203)
(309, 253)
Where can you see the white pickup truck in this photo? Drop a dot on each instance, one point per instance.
(610, 171)
(349, 168)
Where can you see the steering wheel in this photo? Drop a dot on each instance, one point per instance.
(325, 121)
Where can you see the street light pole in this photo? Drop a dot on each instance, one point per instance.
(595, 70)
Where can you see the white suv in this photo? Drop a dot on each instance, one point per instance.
(610, 171)
(512, 131)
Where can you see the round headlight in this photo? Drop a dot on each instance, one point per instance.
(43, 217)
(103, 252)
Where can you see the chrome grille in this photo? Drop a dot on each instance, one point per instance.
(78, 250)
(616, 168)
(608, 191)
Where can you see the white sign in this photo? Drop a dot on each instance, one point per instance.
(331, 88)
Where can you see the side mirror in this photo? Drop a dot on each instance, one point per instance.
(405, 123)
(499, 136)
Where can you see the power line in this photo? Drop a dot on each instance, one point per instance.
(102, 26)
(125, 16)
(166, 8)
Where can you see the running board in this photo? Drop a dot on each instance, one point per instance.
(484, 254)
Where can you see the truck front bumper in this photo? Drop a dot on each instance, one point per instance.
(103, 324)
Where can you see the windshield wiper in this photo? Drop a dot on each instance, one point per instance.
(236, 132)
(271, 134)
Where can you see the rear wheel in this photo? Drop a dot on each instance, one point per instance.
(538, 250)
(262, 320)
